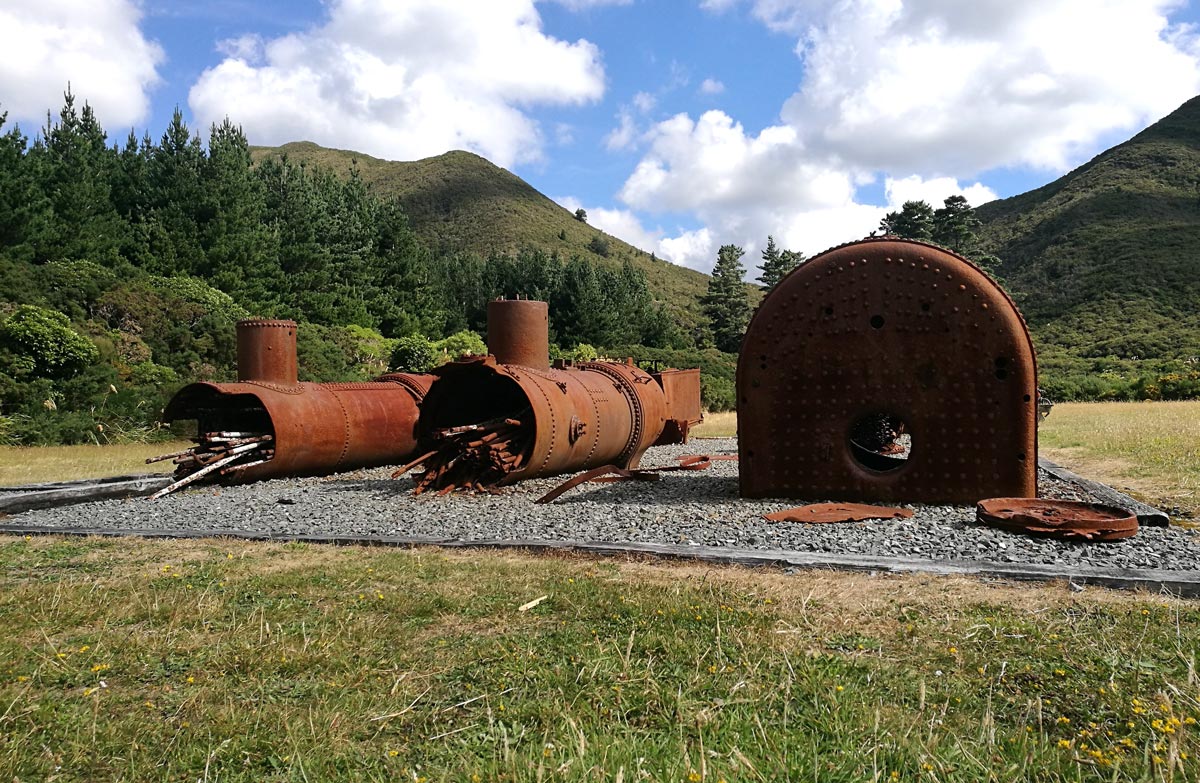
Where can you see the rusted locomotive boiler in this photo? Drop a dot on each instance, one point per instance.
(495, 420)
(890, 370)
(270, 424)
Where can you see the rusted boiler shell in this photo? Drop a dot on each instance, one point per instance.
(317, 428)
(892, 331)
(266, 352)
(518, 332)
(597, 413)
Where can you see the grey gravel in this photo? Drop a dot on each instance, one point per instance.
(691, 508)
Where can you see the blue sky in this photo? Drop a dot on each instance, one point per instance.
(679, 126)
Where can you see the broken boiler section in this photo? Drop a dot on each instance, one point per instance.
(296, 428)
(510, 416)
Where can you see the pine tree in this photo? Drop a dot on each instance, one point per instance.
(954, 226)
(727, 303)
(913, 221)
(777, 263)
(73, 168)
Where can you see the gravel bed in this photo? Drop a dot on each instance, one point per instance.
(691, 508)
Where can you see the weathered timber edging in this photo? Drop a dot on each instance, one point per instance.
(1146, 515)
(29, 497)
(1185, 584)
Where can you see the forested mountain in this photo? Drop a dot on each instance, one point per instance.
(459, 202)
(1105, 264)
(123, 268)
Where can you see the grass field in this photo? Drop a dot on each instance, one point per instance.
(226, 660)
(38, 464)
(1149, 449)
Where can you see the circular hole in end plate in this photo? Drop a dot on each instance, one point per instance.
(877, 322)
(880, 442)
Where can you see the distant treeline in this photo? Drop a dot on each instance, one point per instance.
(123, 269)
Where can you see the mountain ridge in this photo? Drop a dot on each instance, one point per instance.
(461, 202)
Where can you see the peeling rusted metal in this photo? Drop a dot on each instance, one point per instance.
(596, 413)
(893, 331)
(274, 425)
(1066, 519)
(825, 513)
(535, 421)
(682, 391)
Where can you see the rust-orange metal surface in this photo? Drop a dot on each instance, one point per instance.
(309, 428)
(266, 351)
(1066, 519)
(681, 388)
(597, 413)
(894, 332)
(318, 428)
(518, 332)
(825, 513)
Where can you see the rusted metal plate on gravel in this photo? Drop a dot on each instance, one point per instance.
(824, 513)
(1067, 519)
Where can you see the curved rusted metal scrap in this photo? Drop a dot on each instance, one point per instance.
(1067, 519)
(270, 424)
(888, 331)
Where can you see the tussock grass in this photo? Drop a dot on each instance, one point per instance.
(1151, 449)
(38, 464)
(717, 425)
(141, 660)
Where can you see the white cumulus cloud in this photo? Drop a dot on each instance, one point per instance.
(95, 45)
(958, 88)
(923, 95)
(712, 87)
(405, 81)
(933, 191)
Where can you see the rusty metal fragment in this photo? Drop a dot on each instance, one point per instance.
(821, 513)
(611, 473)
(1066, 519)
(270, 424)
(887, 370)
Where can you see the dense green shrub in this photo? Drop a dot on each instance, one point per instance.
(459, 344)
(41, 343)
(415, 353)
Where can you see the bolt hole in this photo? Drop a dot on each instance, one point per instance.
(877, 322)
(1001, 373)
(1021, 456)
(925, 307)
(1027, 398)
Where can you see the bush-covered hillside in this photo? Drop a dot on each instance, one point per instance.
(1104, 264)
(124, 268)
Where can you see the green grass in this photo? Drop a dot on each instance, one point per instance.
(137, 660)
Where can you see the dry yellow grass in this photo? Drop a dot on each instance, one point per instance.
(717, 425)
(37, 464)
(1151, 449)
